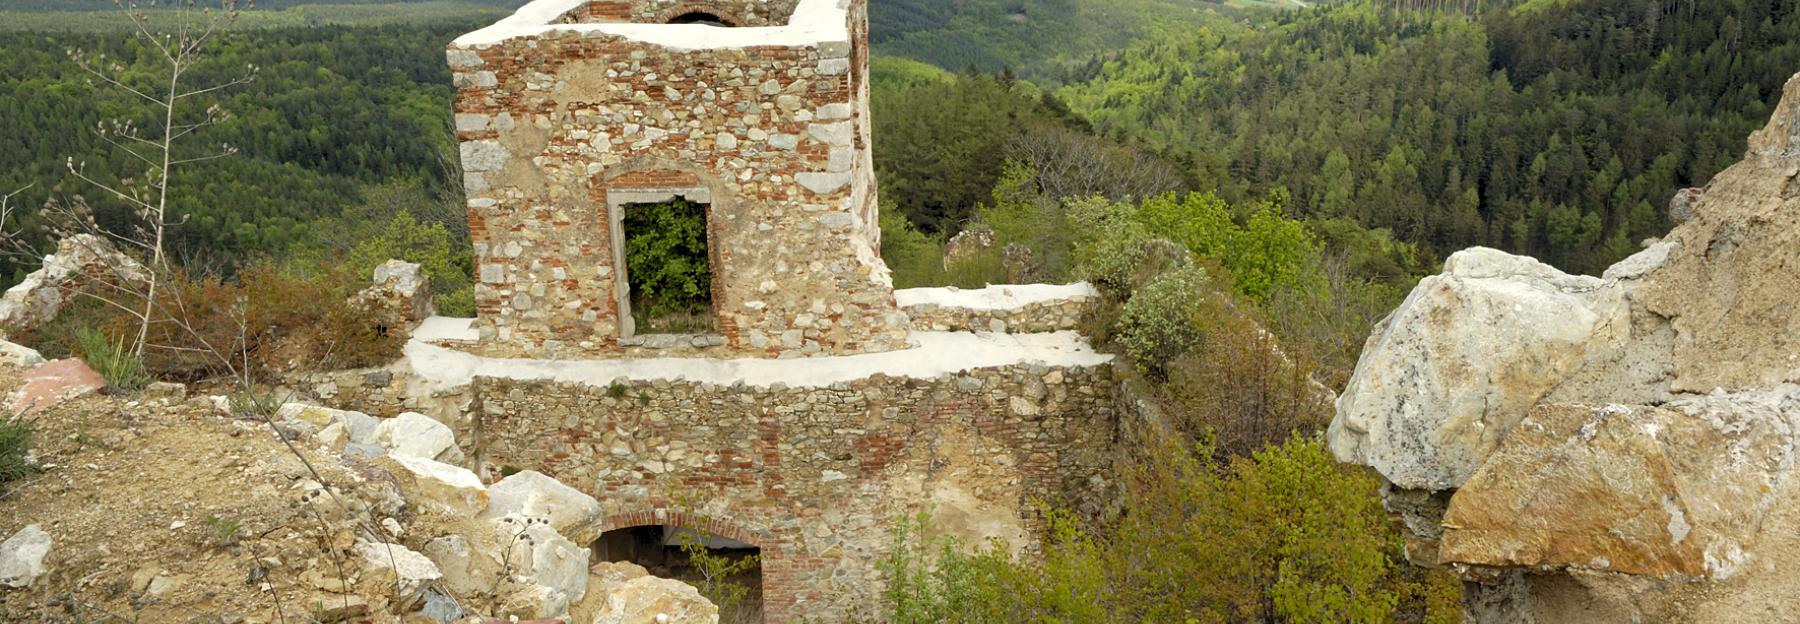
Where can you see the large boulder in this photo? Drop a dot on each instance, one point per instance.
(22, 556)
(359, 428)
(1673, 491)
(439, 487)
(1464, 357)
(520, 564)
(14, 354)
(531, 494)
(81, 262)
(627, 594)
(414, 435)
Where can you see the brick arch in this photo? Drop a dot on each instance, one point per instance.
(688, 520)
(730, 19)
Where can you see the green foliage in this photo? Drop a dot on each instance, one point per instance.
(113, 359)
(223, 530)
(1285, 535)
(1555, 131)
(716, 572)
(333, 115)
(916, 260)
(1160, 321)
(15, 445)
(666, 261)
(430, 245)
(943, 142)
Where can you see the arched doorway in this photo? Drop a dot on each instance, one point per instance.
(701, 17)
(724, 563)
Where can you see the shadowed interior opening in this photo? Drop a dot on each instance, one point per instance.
(701, 17)
(726, 571)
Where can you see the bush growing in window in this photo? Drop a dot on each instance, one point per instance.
(667, 264)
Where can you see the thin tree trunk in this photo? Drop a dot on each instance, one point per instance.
(157, 223)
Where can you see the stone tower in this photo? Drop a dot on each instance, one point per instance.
(572, 112)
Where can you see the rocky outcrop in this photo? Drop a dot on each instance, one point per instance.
(80, 262)
(1619, 448)
(1462, 359)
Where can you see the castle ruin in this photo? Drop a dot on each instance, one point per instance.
(816, 403)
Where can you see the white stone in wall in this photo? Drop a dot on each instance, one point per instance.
(823, 183)
(839, 134)
(484, 155)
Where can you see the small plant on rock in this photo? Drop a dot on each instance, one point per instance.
(223, 530)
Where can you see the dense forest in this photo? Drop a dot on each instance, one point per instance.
(331, 113)
(1553, 129)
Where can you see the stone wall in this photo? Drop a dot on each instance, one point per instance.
(1049, 315)
(813, 475)
(563, 125)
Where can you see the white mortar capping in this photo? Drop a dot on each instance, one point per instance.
(1012, 297)
(933, 355)
(814, 24)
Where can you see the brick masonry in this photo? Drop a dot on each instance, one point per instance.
(561, 126)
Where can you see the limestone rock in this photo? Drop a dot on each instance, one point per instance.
(79, 262)
(1731, 289)
(1465, 356)
(415, 435)
(1649, 491)
(14, 354)
(1681, 206)
(359, 427)
(408, 569)
(651, 600)
(549, 572)
(531, 494)
(53, 383)
(448, 489)
(22, 556)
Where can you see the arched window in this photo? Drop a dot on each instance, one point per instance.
(700, 17)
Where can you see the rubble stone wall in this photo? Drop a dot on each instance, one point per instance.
(814, 475)
(1047, 316)
(561, 128)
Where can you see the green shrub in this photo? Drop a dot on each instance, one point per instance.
(122, 369)
(1287, 535)
(1159, 322)
(430, 246)
(15, 444)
